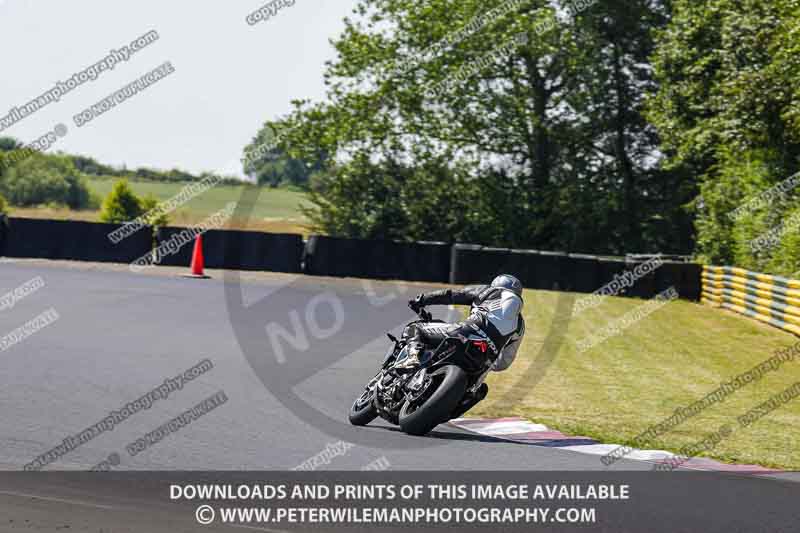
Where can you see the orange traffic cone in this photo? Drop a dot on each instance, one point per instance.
(197, 260)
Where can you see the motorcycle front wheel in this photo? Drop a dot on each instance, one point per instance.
(363, 411)
(443, 392)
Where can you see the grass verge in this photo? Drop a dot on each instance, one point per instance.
(670, 359)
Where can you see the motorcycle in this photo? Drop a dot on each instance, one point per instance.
(442, 386)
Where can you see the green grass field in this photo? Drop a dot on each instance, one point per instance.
(670, 359)
(274, 210)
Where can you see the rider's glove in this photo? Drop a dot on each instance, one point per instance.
(416, 304)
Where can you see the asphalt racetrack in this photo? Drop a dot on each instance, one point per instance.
(120, 334)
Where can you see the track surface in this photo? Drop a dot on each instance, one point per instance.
(119, 335)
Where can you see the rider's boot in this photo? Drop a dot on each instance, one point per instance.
(470, 401)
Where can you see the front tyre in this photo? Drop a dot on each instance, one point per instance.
(363, 411)
(442, 394)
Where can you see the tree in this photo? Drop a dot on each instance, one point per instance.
(621, 198)
(90, 166)
(11, 152)
(42, 179)
(121, 204)
(360, 200)
(155, 218)
(9, 143)
(536, 114)
(267, 160)
(727, 111)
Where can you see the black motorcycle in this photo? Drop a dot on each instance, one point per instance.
(446, 383)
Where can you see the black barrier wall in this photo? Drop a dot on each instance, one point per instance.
(541, 270)
(470, 263)
(3, 234)
(75, 240)
(459, 264)
(582, 273)
(232, 250)
(536, 269)
(410, 261)
(685, 277)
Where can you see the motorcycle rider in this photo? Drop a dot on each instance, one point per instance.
(495, 315)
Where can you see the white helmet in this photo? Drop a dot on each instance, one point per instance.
(507, 281)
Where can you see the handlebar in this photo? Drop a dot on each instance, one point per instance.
(424, 314)
(421, 312)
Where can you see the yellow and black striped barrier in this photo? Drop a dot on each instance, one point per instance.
(774, 300)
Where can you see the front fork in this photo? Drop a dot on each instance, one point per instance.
(417, 385)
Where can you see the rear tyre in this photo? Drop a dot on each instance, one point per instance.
(445, 391)
(363, 411)
(470, 401)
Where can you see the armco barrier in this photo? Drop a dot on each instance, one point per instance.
(774, 300)
(410, 261)
(75, 240)
(237, 250)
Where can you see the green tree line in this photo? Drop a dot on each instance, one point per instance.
(604, 126)
(28, 177)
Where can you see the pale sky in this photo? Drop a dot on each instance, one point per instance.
(229, 76)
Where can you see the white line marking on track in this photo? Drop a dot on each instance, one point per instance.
(50, 499)
(503, 428)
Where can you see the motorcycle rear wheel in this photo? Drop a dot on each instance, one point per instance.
(447, 388)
